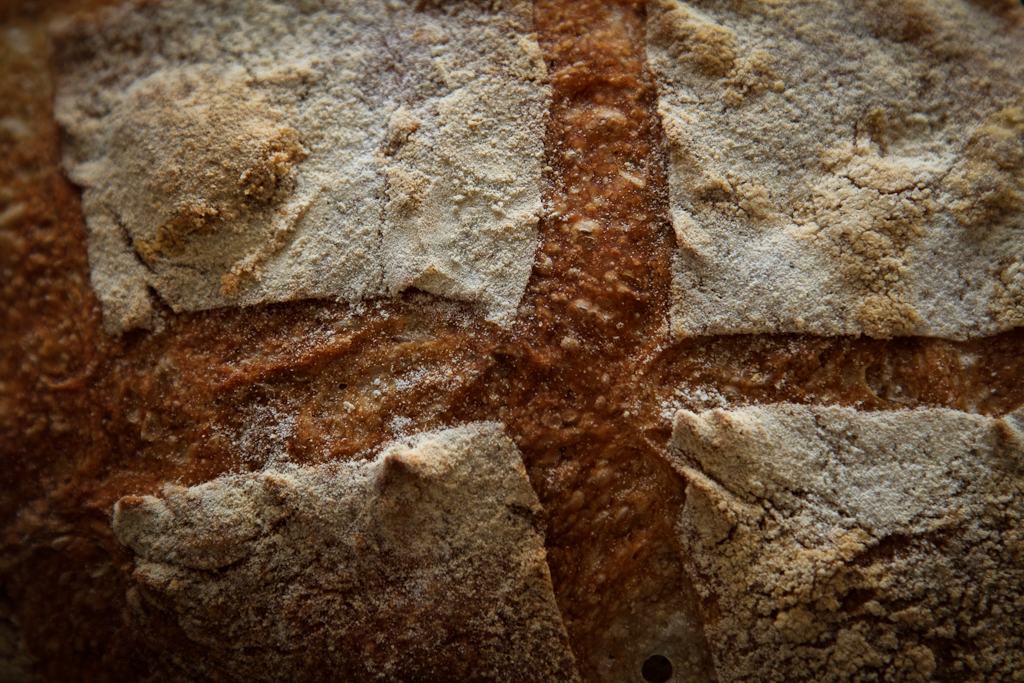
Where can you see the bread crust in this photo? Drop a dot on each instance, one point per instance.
(586, 382)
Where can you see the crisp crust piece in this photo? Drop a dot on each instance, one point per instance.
(843, 168)
(420, 564)
(261, 152)
(831, 544)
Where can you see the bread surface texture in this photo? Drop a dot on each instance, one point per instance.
(420, 564)
(841, 544)
(843, 168)
(511, 340)
(265, 151)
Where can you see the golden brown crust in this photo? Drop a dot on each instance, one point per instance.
(586, 382)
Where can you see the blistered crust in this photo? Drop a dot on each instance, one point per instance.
(422, 564)
(250, 152)
(843, 168)
(831, 544)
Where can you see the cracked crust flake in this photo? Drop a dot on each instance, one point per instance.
(244, 158)
(831, 544)
(328, 572)
(843, 169)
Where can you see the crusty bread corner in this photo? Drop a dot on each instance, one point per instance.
(843, 168)
(845, 542)
(347, 152)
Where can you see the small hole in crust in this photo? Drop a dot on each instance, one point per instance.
(343, 386)
(657, 669)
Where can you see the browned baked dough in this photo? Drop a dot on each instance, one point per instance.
(586, 384)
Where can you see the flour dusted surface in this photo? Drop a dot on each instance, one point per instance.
(422, 564)
(841, 545)
(236, 153)
(844, 168)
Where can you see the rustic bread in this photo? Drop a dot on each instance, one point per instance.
(602, 341)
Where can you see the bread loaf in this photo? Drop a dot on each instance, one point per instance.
(512, 341)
